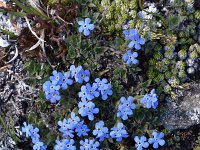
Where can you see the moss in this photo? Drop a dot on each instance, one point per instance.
(116, 13)
(182, 54)
(197, 14)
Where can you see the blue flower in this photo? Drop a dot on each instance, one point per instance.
(26, 129)
(74, 70)
(124, 112)
(127, 102)
(53, 96)
(38, 145)
(134, 36)
(65, 144)
(73, 121)
(141, 142)
(60, 145)
(34, 134)
(88, 92)
(82, 75)
(89, 145)
(130, 58)
(49, 87)
(100, 131)
(84, 94)
(150, 100)
(101, 84)
(66, 81)
(106, 91)
(70, 145)
(87, 109)
(157, 139)
(119, 132)
(82, 129)
(85, 26)
(92, 91)
(56, 78)
(129, 34)
(65, 128)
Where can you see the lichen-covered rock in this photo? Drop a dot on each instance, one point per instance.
(184, 111)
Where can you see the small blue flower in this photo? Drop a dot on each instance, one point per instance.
(74, 70)
(129, 34)
(101, 84)
(141, 142)
(157, 139)
(66, 81)
(107, 91)
(53, 96)
(150, 100)
(89, 145)
(85, 26)
(82, 75)
(56, 78)
(65, 128)
(127, 102)
(82, 129)
(124, 112)
(134, 36)
(49, 87)
(26, 129)
(84, 94)
(87, 109)
(73, 121)
(34, 134)
(70, 145)
(91, 112)
(38, 145)
(100, 131)
(88, 92)
(60, 145)
(130, 58)
(92, 91)
(119, 132)
(65, 144)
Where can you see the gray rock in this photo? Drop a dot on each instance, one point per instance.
(184, 111)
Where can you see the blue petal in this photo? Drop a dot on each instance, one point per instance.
(86, 32)
(81, 23)
(91, 26)
(131, 44)
(161, 142)
(80, 29)
(87, 20)
(137, 46)
(155, 145)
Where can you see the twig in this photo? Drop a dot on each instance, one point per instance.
(29, 26)
(15, 56)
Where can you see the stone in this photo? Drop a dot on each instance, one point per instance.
(184, 111)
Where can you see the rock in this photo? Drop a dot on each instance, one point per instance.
(184, 111)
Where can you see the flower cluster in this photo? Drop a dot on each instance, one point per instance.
(62, 81)
(89, 92)
(156, 140)
(150, 100)
(136, 41)
(32, 132)
(126, 107)
(74, 124)
(85, 26)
